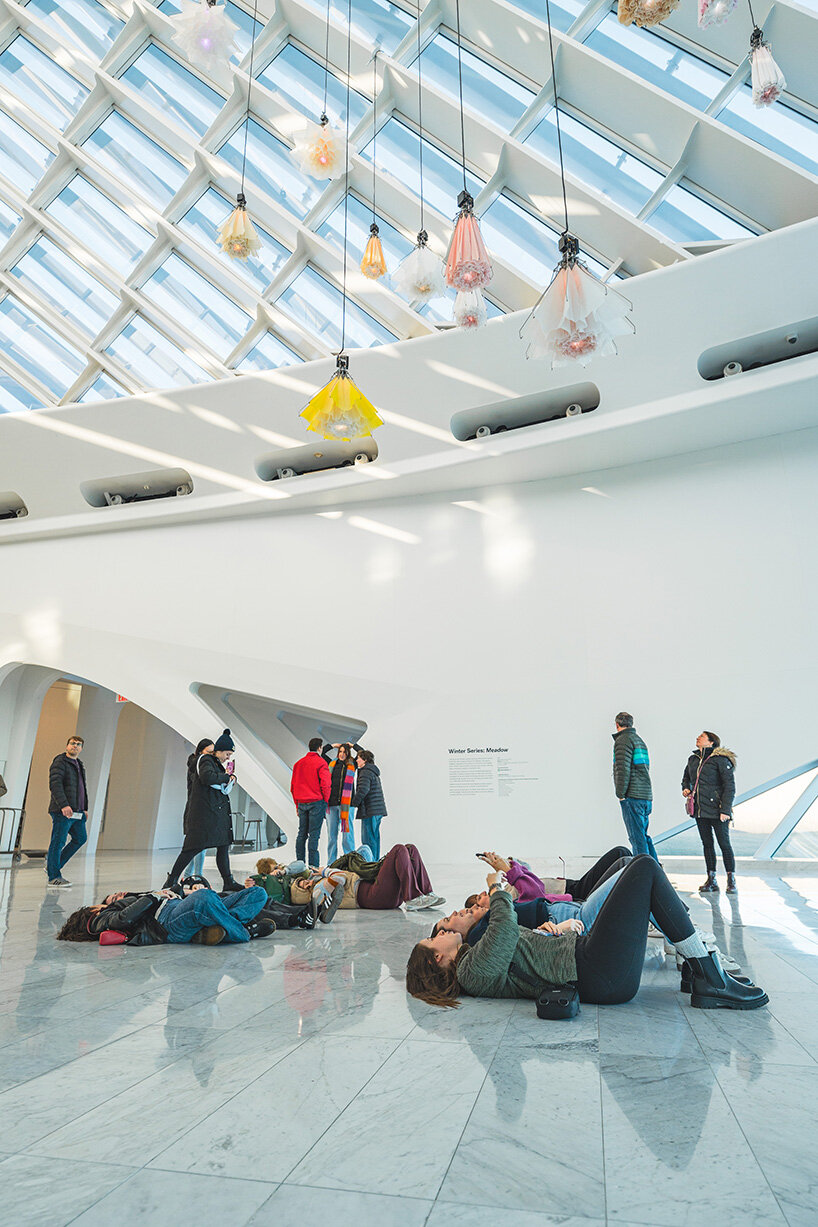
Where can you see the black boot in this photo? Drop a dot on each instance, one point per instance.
(710, 885)
(260, 928)
(686, 984)
(713, 989)
(732, 889)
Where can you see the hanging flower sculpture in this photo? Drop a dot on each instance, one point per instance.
(340, 410)
(468, 266)
(577, 318)
(238, 237)
(205, 34)
(767, 77)
(420, 276)
(645, 12)
(373, 264)
(470, 309)
(714, 12)
(320, 150)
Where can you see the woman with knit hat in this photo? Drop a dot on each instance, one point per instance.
(209, 820)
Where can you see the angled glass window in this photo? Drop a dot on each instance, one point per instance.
(85, 23)
(154, 360)
(14, 397)
(202, 223)
(243, 36)
(100, 225)
(316, 304)
(127, 153)
(299, 79)
(563, 14)
(780, 128)
(66, 286)
(395, 246)
(162, 81)
(377, 21)
(398, 149)
(22, 157)
(597, 161)
(524, 241)
(267, 354)
(271, 169)
(658, 61)
(485, 89)
(48, 90)
(685, 218)
(103, 388)
(36, 349)
(8, 220)
(197, 305)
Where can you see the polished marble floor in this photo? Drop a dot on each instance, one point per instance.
(293, 1082)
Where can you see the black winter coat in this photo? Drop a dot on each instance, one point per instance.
(717, 782)
(191, 775)
(134, 915)
(209, 821)
(337, 773)
(64, 785)
(368, 799)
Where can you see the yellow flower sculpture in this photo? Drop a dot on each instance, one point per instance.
(340, 410)
(373, 264)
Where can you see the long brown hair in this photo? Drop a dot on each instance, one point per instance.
(75, 928)
(431, 982)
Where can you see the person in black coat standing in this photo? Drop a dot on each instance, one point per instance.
(68, 808)
(205, 746)
(709, 786)
(209, 820)
(369, 802)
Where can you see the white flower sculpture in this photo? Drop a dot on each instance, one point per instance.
(714, 12)
(767, 78)
(470, 309)
(420, 276)
(645, 13)
(238, 237)
(205, 34)
(320, 151)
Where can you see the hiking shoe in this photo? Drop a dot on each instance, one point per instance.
(260, 928)
(331, 904)
(209, 936)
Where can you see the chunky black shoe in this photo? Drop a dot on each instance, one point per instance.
(710, 885)
(714, 989)
(260, 928)
(732, 889)
(331, 904)
(686, 984)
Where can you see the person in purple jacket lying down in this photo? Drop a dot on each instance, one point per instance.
(528, 886)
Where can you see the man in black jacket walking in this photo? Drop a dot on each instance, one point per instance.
(68, 808)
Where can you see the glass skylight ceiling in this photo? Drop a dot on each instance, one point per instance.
(119, 160)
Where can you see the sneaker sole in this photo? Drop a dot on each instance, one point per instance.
(328, 912)
(723, 1003)
(210, 936)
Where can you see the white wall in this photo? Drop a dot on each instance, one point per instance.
(684, 590)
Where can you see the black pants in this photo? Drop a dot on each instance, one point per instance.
(610, 958)
(722, 830)
(580, 888)
(187, 855)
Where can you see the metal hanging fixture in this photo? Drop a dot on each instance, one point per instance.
(237, 236)
(373, 263)
(319, 148)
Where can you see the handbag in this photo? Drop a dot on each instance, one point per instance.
(690, 802)
(112, 937)
(558, 1001)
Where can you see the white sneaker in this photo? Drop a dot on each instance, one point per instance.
(434, 901)
(419, 903)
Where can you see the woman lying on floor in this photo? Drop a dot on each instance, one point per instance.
(526, 885)
(606, 964)
(400, 877)
(152, 918)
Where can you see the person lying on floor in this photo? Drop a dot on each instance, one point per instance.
(154, 917)
(606, 964)
(528, 886)
(289, 912)
(276, 879)
(399, 877)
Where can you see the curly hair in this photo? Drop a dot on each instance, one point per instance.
(75, 928)
(427, 980)
(266, 865)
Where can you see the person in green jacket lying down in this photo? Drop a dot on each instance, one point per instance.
(275, 879)
(606, 963)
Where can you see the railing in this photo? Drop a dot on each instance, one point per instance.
(11, 829)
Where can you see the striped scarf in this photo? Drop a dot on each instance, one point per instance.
(347, 789)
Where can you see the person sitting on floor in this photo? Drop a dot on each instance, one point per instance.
(154, 917)
(398, 878)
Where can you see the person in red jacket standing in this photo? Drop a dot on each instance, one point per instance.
(310, 787)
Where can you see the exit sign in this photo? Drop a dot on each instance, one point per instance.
(120, 698)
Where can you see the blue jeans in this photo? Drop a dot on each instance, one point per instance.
(588, 911)
(183, 918)
(196, 866)
(371, 835)
(310, 819)
(636, 815)
(334, 830)
(63, 828)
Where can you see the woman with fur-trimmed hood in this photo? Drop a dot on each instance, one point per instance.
(709, 786)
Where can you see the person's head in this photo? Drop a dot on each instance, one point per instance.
(481, 900)
(265, 865)
(74, 746)
(345, 753)
(224, 747)
(75, 928)
(205, 746)
(458, 922)
(114, 897)
(431, 973)
(194, 882)
(707, 740)
(623, 720)
(315, 744)
(365, 758)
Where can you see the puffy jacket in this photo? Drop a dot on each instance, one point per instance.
(64, 784)
(134, 915)
(338, 771)
(717, 782)
(368, 799)
(311, 779)
(631, 766)
(209, 820)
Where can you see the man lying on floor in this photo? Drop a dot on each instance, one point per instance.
(398, 878)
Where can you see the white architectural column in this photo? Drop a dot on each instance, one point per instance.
(97, 724)
(22, 690)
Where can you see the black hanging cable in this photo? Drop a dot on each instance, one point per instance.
(374, 129)
(557, 112)
(324, 116)
(346, 183)
(752, 15)
(422, 231)
(757, 36)
(460, 86)
(241, 199)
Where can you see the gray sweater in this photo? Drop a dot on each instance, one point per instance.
(512, 962)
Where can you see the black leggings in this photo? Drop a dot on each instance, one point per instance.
(610, 958)
(722, 830)
(580, 888)
(187, 855)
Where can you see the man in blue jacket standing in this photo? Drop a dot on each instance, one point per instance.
(631, 772)
(68, 808)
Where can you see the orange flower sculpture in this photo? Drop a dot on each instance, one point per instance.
(373, 264)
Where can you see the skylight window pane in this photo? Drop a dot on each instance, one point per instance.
(155, 361)
(85, 23)
(395, 246)
(524, 241)
(686, 218)
(8, 220)
(378, 21)
(161, 80)
(130, 155)
(300, 81)
(563, 15)
(596, 160)
(14, 397)
(398, 154)
(48, 90)
(103, 388)
(780, 128)
(267, 354)
(243, 36)
(316, 304)
(271, 169)
(658, 61)
(203, 222)
(66, 286)
(22, 157)
(100, 225)
(195, 302)
(37, 349)
(486, 90)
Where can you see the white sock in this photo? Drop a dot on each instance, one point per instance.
(692, 947)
